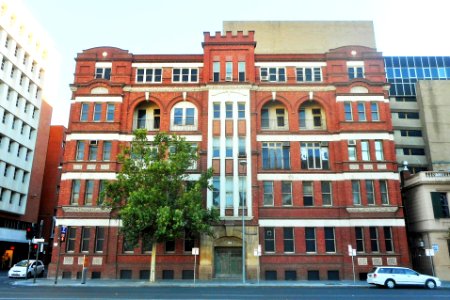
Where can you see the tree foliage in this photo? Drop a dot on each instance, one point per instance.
(152, 194)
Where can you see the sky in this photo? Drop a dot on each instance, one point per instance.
(402, 27)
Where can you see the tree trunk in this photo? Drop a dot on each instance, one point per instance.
(153, 263)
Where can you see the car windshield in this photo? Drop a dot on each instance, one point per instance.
(22, 263)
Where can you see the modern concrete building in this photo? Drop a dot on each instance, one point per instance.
(301, 146)
(402, 73)
(426, 193)
(25, 53)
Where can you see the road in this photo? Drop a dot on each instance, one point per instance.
(8, 291)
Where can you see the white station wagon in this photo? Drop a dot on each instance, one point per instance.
(392, 276)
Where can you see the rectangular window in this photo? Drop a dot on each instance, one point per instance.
(216, 147)
(101, 188)
(365, 151)
(242, 191)
(71, 234)
(370, 192)
(439, 201)
(268, 193)
(110, 112)
(359, 237)
(309, 74)
(103, 73)
(149, 75)
(228, 71)
(89, 192)
(411, 133)
(99, 239)
(276, 155)
(216, 110)
(384, 192)
(356, 192)
(314, 155)
(352, 155)
(93, 149)
(361, 111)
(348, 111)
(147, 243)
(241, 71)
(327, 193)
(216, 71)
(229, 189)
(242, 147)
(106, 150)
(310, 239)
(241, 110)
(355, 72)
(75, 193)
(330, 243)
(80, 151)
(388, 241)
(84, 112)
(374, 239)
(408, 115)
(216, 191)
(97, 112)
(269, 239)
(288, 239)
(229, 147)
(229, 110)
(379, 155)
(286, 190)
(308, 193)
(127, 247)
(85, 237)
(374, 111)
(189, 242)
(413, 151)
(185, 75)
(273, 74)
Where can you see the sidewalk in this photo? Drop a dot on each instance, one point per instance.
(190, 283)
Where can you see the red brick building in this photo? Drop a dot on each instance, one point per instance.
(301, 143)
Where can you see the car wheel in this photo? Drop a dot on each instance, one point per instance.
(28, 275)
(430, 284)
(390, 284)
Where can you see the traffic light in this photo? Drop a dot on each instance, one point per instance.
(36, 230)
(30, 232)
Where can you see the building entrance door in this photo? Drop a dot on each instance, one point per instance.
(228, 262)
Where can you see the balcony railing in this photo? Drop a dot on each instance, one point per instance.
(428, 177)
(274, 124)
(151, 124)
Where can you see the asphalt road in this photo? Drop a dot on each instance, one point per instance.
(8, 291)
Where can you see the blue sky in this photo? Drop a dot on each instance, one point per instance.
(402, 27)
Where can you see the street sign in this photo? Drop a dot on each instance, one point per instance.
(435, 247)
(64, 229)
(195, 251)
(429, 252)
(35, 241)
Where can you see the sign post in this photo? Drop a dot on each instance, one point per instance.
(430, 253)
(62, 238)
(352, 253)
(195, 252)
(257, 252)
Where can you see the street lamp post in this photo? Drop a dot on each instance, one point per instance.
(243, 163)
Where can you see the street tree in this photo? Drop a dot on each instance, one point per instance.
(152, 194)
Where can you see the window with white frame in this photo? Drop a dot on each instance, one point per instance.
(241, 110)
(388, 240)
(110, 109)
(242, 147)
(79, 155)
(268, 193)
(384, 192)
(348, 111)
(85, 238)
(330, 242)
(99, 239)
(308, 193)
(241, 71)
(75, 193)
(276, 155)
(184, 114)
(310, 239)
(379, 155)
(375, 111)
(309, 74)
(327, 193)
(229, 147)
(269, 239)
(149, 75)
(228, 71)
(273, 74)
(97, 114)
(374, 246)
(216, 71)
(356, 192)
(185, 75)
(361, 111)
(359, 237)
(229, 191)
(103, 73)
(314, 155)
(365, 151)
(216, 191)
(370, 192)
(355, 72)
(216, 110)
(288, 239)
(88, 192)
(228, 110)
(286, 191)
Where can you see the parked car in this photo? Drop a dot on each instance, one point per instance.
(393, 276)
(20, 269)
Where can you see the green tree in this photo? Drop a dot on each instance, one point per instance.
(153, 198)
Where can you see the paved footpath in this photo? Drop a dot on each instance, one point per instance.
(190, 283)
